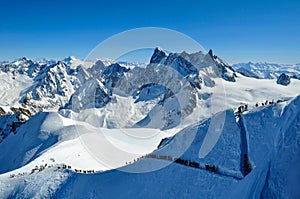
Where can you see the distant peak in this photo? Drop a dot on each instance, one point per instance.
(69, 59)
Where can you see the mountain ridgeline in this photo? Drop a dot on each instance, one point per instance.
(69, 85)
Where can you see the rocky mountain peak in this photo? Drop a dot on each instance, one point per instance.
(158, 55)
(210, 53)
(284, 79)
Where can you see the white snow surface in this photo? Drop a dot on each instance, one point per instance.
(276, 136)
(11, 88)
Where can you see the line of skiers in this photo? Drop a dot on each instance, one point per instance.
(243, 108)
(212, 168)
(76, 170)
(189, 163)
(267, 103)
(151, 155)
(163, 157)
(84, 171)
(19, 174)
(38, 169)
(42, 167)
(64, 167)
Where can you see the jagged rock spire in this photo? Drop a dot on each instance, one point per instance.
(210, 53)
(158, 55)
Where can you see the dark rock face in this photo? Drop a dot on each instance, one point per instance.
(284, 79)
(157, 56)
(112, 74)
(211, 53)
(101, 97)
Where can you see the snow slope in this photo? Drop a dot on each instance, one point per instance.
(273, 144)
(9, 83)
(221, 133)
(264, 180)
(46, 135)
(272, 132)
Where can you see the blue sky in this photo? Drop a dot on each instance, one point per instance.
(237, 31)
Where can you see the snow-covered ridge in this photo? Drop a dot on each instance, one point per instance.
(268, 135)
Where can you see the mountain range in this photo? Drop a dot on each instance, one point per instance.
(182, 125)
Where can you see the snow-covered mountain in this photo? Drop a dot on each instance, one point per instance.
(162, 83)
(267, 70)
(170, 128)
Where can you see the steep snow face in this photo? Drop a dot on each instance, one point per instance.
(31, 140)
(267, 70)
(215, 141)
(283, 174)
(272, 134)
